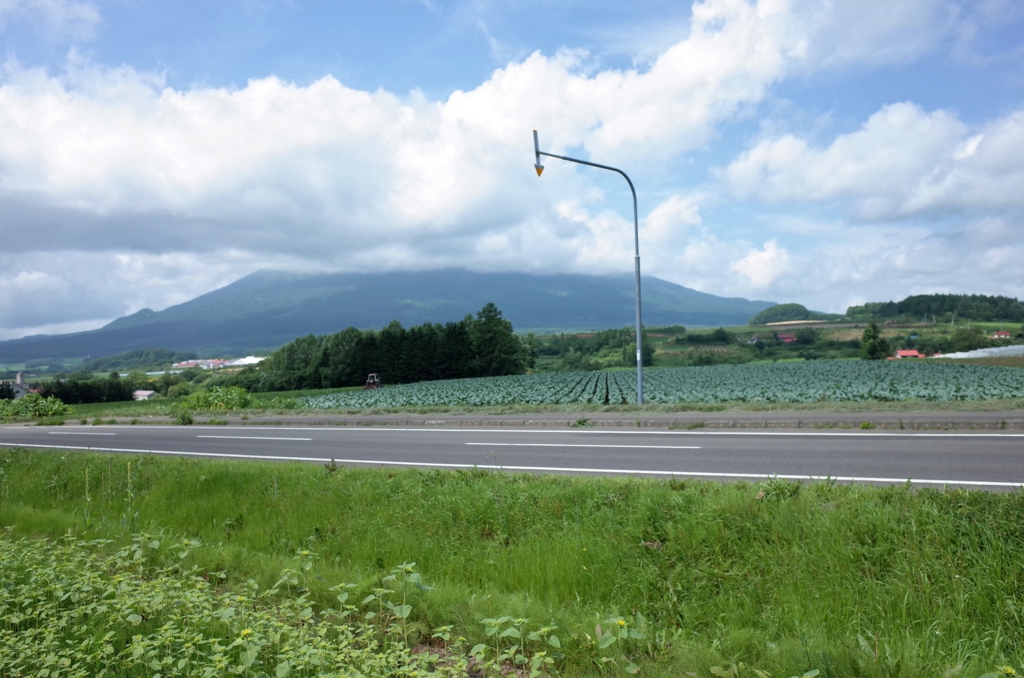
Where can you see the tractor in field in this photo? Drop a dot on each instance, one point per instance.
(373, 381)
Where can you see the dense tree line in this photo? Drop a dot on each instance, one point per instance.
(81, 388)
(133, 360)
(943, 307)
(484, 346)
(719, 336)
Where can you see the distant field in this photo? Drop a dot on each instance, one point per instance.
(799, 382)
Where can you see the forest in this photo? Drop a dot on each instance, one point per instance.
(942, 308)
(81, 387)
(484, 346)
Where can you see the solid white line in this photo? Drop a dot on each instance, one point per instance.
(617, 447)
(630, 432)
(253, 438)
(78, 433)
(549, 469)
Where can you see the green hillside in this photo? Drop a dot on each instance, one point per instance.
(268, 309)
(788, 312)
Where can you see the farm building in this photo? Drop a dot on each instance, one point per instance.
(786, 338)
(21, 388)
(908, 353)
(144, 395)
(1001, 334)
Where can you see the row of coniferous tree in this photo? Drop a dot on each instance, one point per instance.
(484, 346)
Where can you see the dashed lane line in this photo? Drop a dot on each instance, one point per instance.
(544, 469)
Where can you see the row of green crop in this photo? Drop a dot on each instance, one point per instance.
(836, 381)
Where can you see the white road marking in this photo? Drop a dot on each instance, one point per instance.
(617, 447)
(628, 432)
(79, 433)
(539, 469)
(253, 438)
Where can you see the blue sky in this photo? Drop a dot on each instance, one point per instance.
(826, 152)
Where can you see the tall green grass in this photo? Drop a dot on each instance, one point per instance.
(782, 577)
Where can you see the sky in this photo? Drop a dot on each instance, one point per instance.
(823, 152)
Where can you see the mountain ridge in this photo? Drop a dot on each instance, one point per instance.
(266, 309)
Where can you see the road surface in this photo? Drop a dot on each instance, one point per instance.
(989, 460)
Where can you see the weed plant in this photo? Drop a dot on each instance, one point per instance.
(712, 579)
(65, 610)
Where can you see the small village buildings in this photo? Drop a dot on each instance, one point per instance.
(217, 363)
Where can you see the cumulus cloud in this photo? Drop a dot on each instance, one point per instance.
(101, 159)
(846, 265)
(913, 260)
(199, 186)
(903, 162)
(762, 267)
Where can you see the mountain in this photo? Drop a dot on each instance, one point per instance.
(266, 309)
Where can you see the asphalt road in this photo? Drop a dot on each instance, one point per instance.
(981, 460)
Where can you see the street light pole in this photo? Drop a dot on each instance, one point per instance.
(636, 259)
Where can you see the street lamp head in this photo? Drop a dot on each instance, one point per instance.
(536, 149)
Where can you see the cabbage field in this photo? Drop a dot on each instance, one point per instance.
(821, 380)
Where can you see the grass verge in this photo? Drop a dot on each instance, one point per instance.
(777, 576)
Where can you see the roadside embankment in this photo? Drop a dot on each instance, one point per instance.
(799, 420)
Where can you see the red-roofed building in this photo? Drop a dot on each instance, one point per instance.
(908, 353)
(1001, 334)
(786, 338)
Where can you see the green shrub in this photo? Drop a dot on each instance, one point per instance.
(179, 390)
(33, 405)
(219, 398)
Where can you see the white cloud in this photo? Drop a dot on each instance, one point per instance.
(903, 162)
(129, 184)
(94, 158)
(671, 219)
(88, 289)
(324, 158)
(763, 267)
(61, 19)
